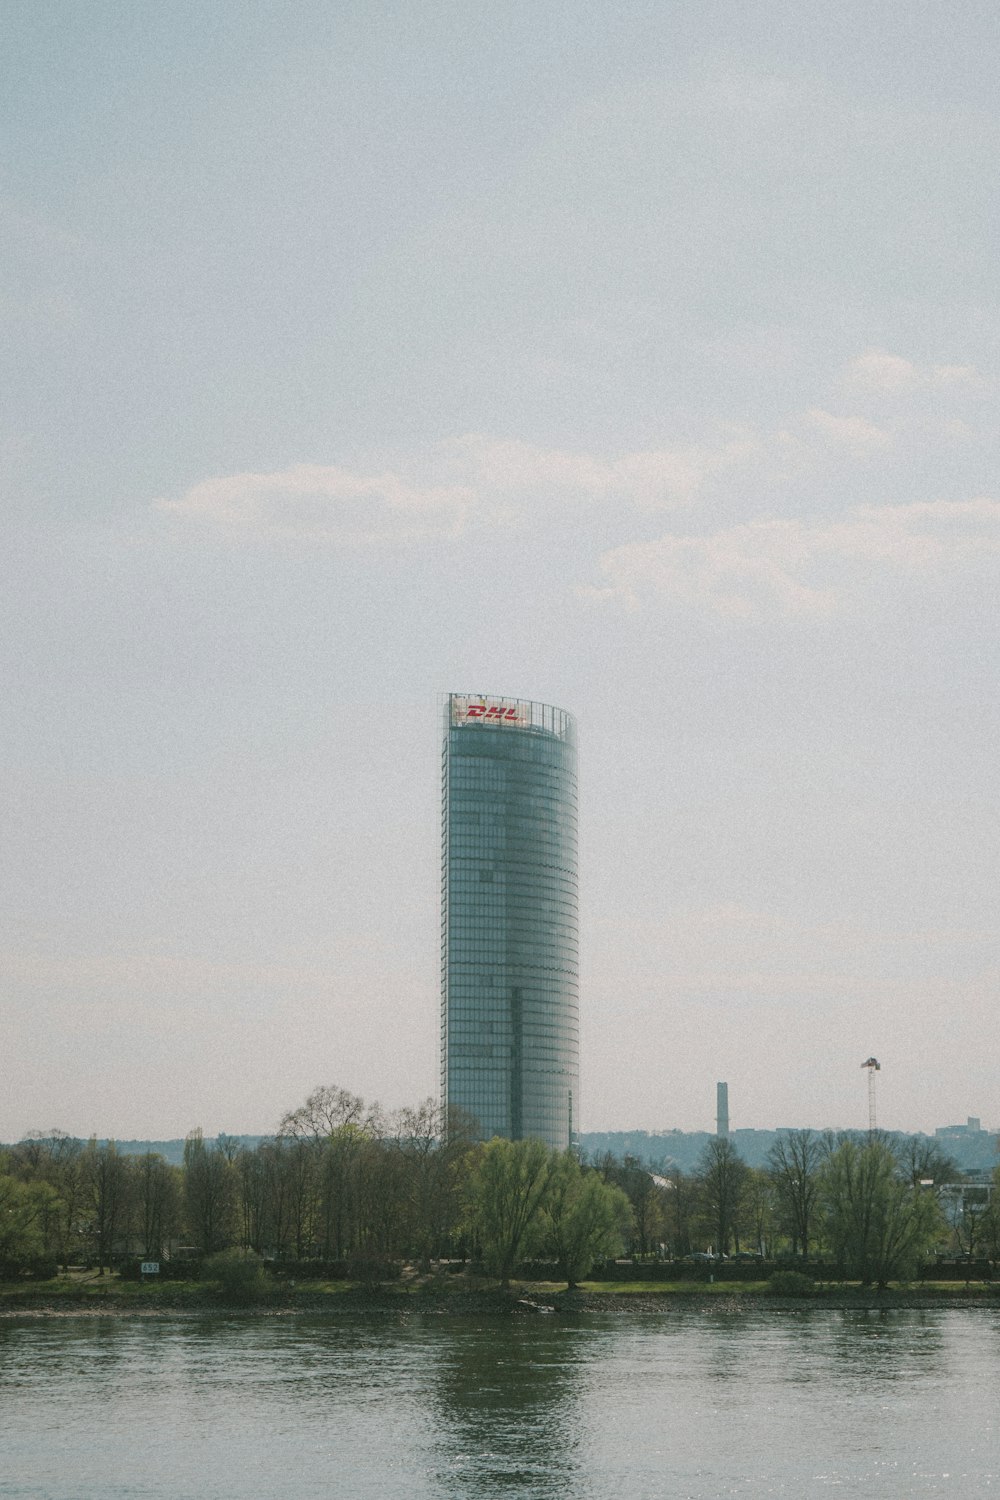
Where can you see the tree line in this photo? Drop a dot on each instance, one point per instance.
(342, 1181)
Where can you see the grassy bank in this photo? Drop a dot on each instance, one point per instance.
(88, 1292)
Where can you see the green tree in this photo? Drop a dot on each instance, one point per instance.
(58, 1159)
(24, 1209)
(584, 1218)
(878, 1223)
(506, 1195)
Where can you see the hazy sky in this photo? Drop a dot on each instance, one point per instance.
(637, 357)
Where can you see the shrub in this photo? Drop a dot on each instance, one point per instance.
(128, 1269)
(180, 1270)
(28, 1268)
(308, 1270)
(239, 1273)
(371, 1270)
(791, 1284)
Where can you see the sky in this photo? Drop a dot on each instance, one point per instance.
(641, 359)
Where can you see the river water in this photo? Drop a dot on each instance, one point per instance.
(595, 1407)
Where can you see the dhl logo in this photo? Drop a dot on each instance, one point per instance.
(480, 711)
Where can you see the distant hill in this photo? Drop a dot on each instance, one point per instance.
(173, 1151)
(662, 1150)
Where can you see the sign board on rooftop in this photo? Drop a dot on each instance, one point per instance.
(466, 709)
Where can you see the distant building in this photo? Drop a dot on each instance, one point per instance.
(509, 924)
(972, 1126)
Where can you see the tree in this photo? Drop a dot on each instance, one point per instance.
(506, 1194)
(723, 1175)
(646, 1197)
(924, 1161)
(334, 1126)
(106, 1194)
(66, 1174)
(297, 1168)
(58, 1159)
(680, 1201)
(758, 1209)
(276, 1196)
(967, 1210)
(435, 1145)
(584, 1218)
(878, 1223)
(793, 1164)
(209, 1194)
(156, 1196)
(340, 1189)
(326, 1110)
(991, 1220)
(24, 1208)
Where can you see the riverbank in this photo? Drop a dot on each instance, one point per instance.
(110, 1297)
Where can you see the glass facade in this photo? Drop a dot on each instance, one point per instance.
(509, 930)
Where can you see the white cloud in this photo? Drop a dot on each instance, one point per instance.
(659, 478)
(768, 567)
(322, 503)
(473, 478)
(889, 374)
(478, 480)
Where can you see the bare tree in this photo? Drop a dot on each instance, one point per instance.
(723, 1175)
(434, 1145)
(209, 1194)
(646, 1197)
(156, 1202)
(793, 1164)
(923, 1161)
(106, 1189)
(327, 1109)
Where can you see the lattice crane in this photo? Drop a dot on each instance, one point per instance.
(874, 1066)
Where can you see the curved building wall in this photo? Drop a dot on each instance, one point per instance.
(510, 965)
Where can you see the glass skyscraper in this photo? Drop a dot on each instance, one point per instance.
(509, 929)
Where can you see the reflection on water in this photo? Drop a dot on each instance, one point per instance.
(679, 1404)
(506, 1399)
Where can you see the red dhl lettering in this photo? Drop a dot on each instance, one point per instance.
(480, 711)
